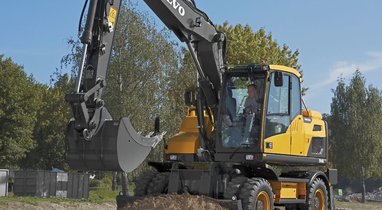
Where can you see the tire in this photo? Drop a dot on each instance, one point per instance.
(257, 193)
(142, 182)
(317, 196)
(234, 186)
(159, 184)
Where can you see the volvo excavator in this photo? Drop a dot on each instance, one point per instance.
(223, 149)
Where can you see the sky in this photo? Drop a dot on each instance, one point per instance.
(334, 38)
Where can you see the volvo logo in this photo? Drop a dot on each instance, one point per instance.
(175, 4)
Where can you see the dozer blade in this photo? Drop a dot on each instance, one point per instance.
(115, 147)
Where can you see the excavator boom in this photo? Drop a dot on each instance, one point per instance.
(205, 43)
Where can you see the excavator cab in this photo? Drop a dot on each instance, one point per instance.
(276, 129)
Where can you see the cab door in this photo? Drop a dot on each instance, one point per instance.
(296, 128)
(277, 134)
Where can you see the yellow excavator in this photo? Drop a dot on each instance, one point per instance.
(242, 123)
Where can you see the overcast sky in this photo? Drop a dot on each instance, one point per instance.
(334, 37)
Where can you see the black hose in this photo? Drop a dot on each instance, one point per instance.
(82, 16)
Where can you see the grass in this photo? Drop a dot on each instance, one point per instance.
(100, 192)
(33, 200)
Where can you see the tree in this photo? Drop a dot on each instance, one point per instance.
(356, 116)
(18, 102)
(49, 134)
(246, 46)
(142, 63)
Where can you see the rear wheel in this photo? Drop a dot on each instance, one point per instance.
(257, 193)
(142, 182)
(317, 197)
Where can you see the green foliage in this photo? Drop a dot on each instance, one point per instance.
(18, 110)
(356, 117)
(143, 64)
(139, 80)
(49, 134)
(246, 46)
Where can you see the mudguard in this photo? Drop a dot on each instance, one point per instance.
(115, 147)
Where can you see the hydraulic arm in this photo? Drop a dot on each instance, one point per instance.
(205, 43)
(207, 47)
(94, 140)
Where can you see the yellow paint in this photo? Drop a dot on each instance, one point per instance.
(312, 114)
(280, 143)
(264, 197)
(183, 143)
(297, 146)
(186, 141)
(288, 190)
(285, 69)
(112, 16)
(298, 137)
(316, 119)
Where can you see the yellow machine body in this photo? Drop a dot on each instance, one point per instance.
(187, 140)
(296, 141)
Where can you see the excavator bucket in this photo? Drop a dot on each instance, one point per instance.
(115, 147)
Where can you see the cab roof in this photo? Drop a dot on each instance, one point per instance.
(285, 69)
(259, 67)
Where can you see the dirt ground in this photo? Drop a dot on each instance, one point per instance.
(172, 201)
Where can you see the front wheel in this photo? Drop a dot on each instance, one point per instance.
(257, 193)
(317, 196)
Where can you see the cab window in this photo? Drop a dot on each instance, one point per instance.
(295, 97)
(278, 114)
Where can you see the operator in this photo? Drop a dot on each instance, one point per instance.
(250, 104)
(250, 110)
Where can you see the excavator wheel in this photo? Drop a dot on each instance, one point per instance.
(317, 196)
(142, 182)
(159, 184)
(234, 186)
(257, 193)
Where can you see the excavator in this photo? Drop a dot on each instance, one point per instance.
(243, 123)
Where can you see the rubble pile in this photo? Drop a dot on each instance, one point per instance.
(375, 196)
(174, 201)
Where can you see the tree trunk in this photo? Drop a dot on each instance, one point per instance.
(125, 184)
(363, 191)
(114, 181)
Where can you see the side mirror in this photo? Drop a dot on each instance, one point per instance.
(278, 79)
(189, 98)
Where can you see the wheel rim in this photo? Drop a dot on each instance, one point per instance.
(263, 201)
(319, 201)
